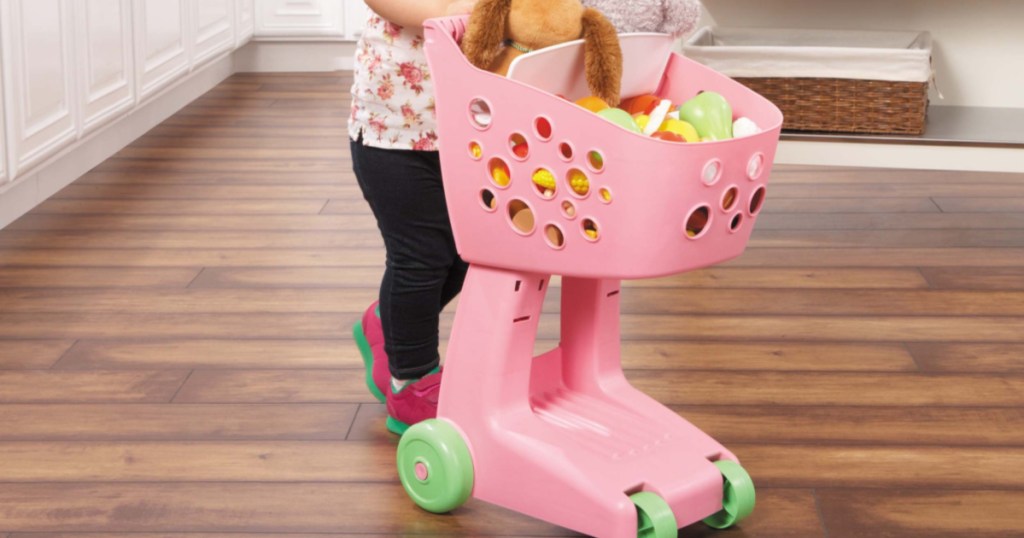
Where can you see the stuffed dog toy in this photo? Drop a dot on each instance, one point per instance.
(501, 30)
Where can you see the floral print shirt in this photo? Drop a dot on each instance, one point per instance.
(392, 95)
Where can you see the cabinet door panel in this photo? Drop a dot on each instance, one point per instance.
(105, 54)
(213, 23)
(300, 18)
(37, 49)
(161, 29)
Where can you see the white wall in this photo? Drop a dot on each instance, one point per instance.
(978, 44)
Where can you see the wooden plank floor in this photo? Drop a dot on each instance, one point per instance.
(175, 358)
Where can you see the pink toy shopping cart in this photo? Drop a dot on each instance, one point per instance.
(563, 436)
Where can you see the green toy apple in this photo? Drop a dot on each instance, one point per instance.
(710, 114)
(621, 118)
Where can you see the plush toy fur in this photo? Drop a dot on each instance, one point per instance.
(535, 24)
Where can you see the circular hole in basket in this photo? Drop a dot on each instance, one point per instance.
(755, 166)
(565, 151)
(521, 217)
(544, 183)
(736, 221)
(554, 236)
(487, 198)
(590, 230)
(712, 172)
(475, 151)
(542, 126)
(595, 160)
(697, 222)
(568, 209)
(480, 114)
(757, 200)
(519, 147)
(500, 173)
(729, 198)
(579, 183)
(606, 195)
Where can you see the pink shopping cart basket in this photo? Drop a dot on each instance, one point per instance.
(563, 436)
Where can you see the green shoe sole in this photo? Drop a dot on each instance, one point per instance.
(396, 427)
(367, 354)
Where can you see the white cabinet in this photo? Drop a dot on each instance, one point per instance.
(4, 177)
(356, 13)
(104, 46)
(213, 25)
(40, 69)
(245, 18)
(80, 78)
(301, 18)
(161, 42)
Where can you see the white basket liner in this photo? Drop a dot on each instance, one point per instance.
(845, 54)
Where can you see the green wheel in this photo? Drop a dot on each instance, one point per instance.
(654, 518)
(435, 466)
(737, 495)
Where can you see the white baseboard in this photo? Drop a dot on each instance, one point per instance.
(284, 56)
(884, 155)
(18, 198)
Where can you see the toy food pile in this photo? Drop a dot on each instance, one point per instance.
(706, 117)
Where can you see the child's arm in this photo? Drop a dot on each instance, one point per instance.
(412, 13)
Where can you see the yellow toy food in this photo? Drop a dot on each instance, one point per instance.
(641, 120)
(579, 182)
(500, 174)
(545, 182)
(680, 128)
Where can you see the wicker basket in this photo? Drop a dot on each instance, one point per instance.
(859, 88)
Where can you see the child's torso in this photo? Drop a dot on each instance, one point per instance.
(392, 92)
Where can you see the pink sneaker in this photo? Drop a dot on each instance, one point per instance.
(369, 336)
(414, 403)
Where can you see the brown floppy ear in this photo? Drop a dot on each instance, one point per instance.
(485, 33)
(602, 56)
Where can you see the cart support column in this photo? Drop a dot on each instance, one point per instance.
(590, 334)
(490, 351)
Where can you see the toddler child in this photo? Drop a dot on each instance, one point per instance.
(395, 160)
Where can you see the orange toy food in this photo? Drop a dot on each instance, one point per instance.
(592, 103)
(668, 136)
(641, 104)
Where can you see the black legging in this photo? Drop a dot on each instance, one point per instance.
(423, 271)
